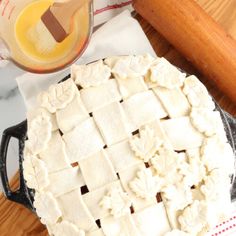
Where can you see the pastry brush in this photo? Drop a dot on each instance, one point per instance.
(54, 25)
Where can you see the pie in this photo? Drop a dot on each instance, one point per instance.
(128, 146)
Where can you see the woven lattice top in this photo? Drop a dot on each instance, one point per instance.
(128, 146)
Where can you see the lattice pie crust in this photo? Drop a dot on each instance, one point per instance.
(128, 146)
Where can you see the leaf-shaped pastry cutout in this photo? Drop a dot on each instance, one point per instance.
(205, 121)
(194, 217)
(165, 161)
(91, 75)
(166, 75)
(197, 93)
(35, 172)
(47, 207)
(145, 185)
(216, 153)
(130, 66)
(216, 183)
(39, 134)
(177, 196)
(58, 95)
(146, 145)
(65, 228)
(193, 172)
(117, 201)
(32, 113)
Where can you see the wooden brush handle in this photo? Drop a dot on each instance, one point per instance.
(63, 11)
(197, 36)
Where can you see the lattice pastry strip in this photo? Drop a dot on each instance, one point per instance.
(93, 200)
(95, 98)
(119, 226)
(72, 115)
(64, 228)
(143, 108)
(112, 123)
(122, 156)
(54, 155)
(131, 86)
(74, 210)
(174, 101)
(97, 170)
(83, 141)
(152, 221)
(65, 181)
(126, 177)
(98, 232)
(181, 133)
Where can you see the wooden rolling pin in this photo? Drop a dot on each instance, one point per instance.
(197, 36)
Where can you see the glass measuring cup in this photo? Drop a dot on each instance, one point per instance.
(11, 50)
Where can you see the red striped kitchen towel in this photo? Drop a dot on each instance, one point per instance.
(226, 228)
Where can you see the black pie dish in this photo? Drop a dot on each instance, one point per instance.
(25, 196)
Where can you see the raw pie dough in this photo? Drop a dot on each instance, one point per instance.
(128, 146)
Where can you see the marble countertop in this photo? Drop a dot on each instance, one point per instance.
(12, 111)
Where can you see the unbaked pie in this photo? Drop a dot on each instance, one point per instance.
(128, 146)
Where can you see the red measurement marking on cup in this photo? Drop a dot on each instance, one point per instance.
(112, 7)
(5, 7)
